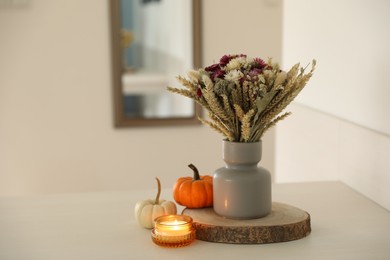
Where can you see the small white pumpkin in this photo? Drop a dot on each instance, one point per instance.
(147, 210)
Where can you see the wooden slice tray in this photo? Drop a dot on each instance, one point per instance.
(284, 223)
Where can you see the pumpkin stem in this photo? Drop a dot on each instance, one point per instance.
(156, 202)
(196, 172)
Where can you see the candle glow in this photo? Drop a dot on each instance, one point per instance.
(173, 231)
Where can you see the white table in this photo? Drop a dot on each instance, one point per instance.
(345, 225)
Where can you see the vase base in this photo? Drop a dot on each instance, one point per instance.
(241, 218)
(284, 223)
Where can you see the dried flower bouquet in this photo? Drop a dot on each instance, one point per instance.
(244, 96)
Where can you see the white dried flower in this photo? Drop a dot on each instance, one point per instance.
(233, 65)
(234, 75)
(236, 63)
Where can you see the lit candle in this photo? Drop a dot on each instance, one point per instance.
(173, 231)
(173, 228)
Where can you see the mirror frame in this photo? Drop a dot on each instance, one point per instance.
(120, 119)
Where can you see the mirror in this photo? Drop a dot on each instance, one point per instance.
(153, 41)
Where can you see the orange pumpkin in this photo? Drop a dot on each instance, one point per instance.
(194, 192)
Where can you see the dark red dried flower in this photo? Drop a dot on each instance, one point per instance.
(259, 63)
(225, 60)
(217, 74)
(212, 68)
(254, 72)
(199, 92)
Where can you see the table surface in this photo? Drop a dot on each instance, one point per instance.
(345, 225)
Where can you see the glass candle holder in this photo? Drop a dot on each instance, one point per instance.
(173, 231)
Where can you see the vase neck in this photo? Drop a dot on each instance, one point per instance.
(242, 154)
(238, 166)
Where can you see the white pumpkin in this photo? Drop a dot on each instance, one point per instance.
(147, 210)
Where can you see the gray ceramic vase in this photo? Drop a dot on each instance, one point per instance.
(242, 189)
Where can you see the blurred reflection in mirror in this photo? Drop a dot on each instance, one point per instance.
(157, 43)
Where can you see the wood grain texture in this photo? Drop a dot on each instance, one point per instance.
(284, 223)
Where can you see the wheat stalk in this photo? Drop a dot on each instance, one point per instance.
(246, 125)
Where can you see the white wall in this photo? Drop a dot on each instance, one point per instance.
(252, 27)
(350, 39)
(330, 135)
(56, 123)
(315, 146)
